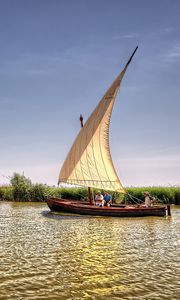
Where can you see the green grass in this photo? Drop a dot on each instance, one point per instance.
(40, 192)
(22, 189)
(167, 195)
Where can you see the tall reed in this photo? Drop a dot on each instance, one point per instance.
(22, 189)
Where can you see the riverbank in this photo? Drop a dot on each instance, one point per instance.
(40, 192)
(22, 189)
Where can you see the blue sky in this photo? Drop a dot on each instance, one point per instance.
(57, 59)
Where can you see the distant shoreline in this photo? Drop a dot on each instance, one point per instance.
(40, 192)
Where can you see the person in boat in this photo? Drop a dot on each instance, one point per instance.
(98, 199)
(107, 200)
(148, 199)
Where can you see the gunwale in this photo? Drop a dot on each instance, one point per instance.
(84, 208)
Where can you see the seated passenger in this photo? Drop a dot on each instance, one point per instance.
(98, 199)
(148, 199)
(107, 201)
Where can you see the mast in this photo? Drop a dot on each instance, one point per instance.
(89, 189)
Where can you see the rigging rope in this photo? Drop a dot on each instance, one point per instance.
(138, 200)
(133, 197)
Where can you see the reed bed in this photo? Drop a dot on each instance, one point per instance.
(22, 189)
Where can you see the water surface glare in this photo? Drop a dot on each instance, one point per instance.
(45, 255)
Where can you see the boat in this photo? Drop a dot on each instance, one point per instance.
(89, 164)
(82, 208)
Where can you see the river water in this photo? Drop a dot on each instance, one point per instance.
(45, 255)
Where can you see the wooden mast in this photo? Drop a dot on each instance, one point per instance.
(89, 189)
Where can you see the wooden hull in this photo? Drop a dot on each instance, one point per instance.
(84, 208)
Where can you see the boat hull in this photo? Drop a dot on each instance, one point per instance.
(83, 208)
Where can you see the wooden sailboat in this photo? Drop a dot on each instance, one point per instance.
(89, 163)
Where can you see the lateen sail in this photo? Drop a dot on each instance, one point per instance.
(89, 161)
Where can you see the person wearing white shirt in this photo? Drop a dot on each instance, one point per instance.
(98, 199)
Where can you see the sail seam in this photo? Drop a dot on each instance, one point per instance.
(94, 155)
(101, 149)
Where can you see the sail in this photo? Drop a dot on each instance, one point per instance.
(89, 161)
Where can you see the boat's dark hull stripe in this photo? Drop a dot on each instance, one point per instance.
(85, 209)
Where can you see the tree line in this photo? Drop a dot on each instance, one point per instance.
(21, 188)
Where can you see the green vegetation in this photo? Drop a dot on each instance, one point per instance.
(22, 189)
(166, 195)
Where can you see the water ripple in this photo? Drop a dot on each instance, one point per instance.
(58, 256)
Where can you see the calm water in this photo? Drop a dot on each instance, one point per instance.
(52, 256)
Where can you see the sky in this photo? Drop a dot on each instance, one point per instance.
(57, 59)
